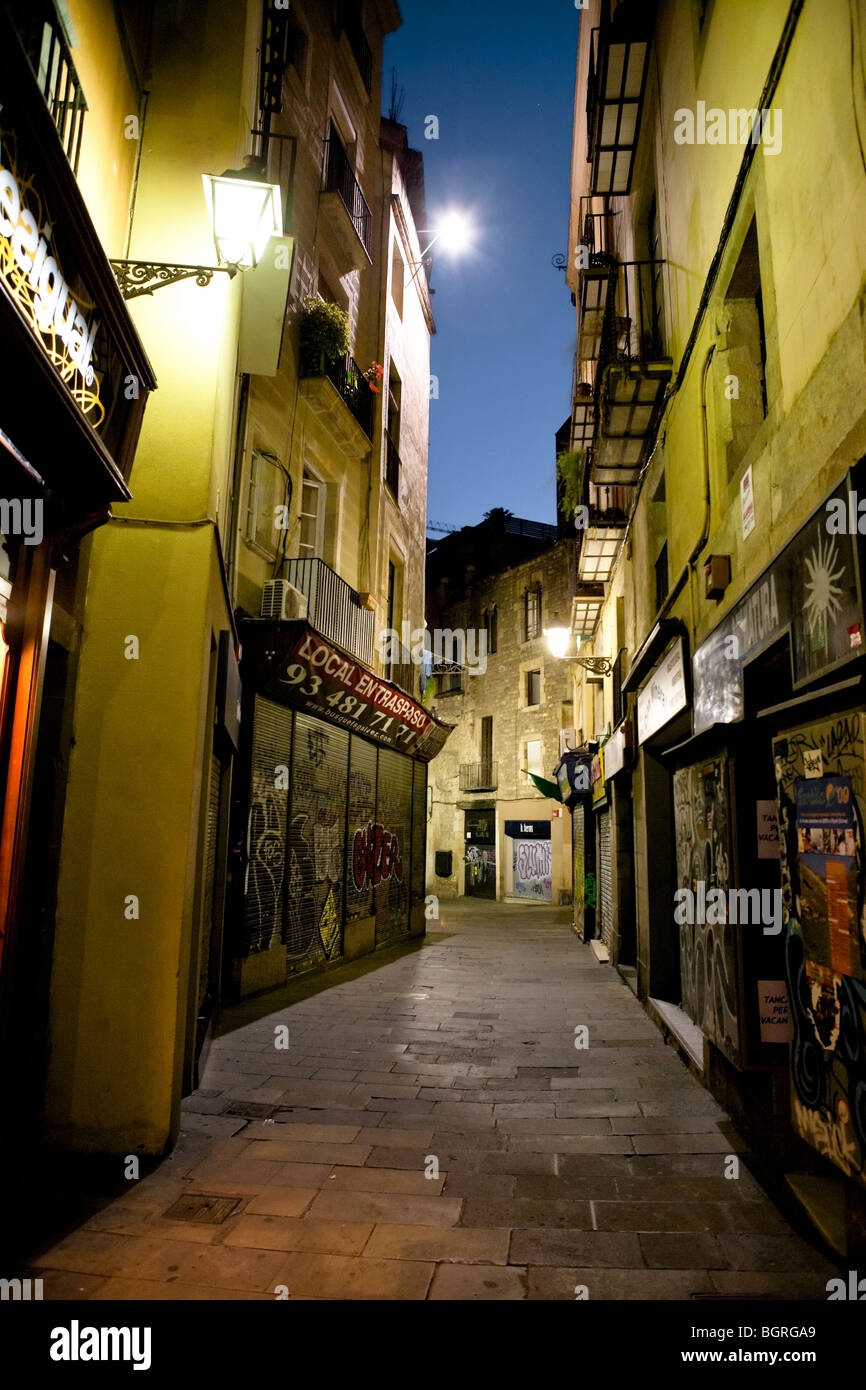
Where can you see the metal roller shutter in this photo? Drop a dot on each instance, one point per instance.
(419, 833)
(315, 872)
(578, 847)
(211, 839)
(362, 813)
(394, 816)
(605, 879)
(266, 826)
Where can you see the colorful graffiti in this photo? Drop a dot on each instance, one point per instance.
(532, 869)
(708, 951)
(375, 856)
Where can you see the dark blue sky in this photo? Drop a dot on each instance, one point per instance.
(500, 77)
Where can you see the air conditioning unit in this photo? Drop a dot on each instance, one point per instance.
(568, 740)
(281, 601)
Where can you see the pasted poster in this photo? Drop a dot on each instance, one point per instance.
(708, 951)
(822, 896)
(532, 874)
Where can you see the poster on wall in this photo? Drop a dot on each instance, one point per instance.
(826, 850)
(821, 854)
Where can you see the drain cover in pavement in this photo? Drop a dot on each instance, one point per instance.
(249, 1109)
(202, 1208)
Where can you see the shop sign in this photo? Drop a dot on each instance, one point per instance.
(311, 675)
(809, 590)
(615, 749)
(62, 321)
(596, 776)
(664, 694)
(528, 829)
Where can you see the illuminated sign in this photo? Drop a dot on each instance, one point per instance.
(62, 321)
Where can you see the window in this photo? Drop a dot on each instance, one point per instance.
(392, 432)
(398, 279)
(490, 626)
(534, 758)
(744, 399)
(297, 48)
(532, 613)
(533, 687)
(655, 309)
(486, 747)
(662, 576)
(269, 487)
(313, 499)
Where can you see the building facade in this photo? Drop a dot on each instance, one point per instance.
(493, 834)
(717, 264)
(275, 525)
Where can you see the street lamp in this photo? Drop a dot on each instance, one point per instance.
(244, 212)
(558, 642)
(455, 231)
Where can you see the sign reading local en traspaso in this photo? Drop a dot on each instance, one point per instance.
(314, 676)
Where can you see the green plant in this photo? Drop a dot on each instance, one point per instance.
(324, 334)
(570, 471)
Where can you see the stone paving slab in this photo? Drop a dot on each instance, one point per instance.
(432, 1132)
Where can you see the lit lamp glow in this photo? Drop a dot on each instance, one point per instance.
(244, 213)
(558, 638)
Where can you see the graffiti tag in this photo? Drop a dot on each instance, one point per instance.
(375, 856)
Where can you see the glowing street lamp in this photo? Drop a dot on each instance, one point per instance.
(244, 214)
(559, 639)
(456, 233)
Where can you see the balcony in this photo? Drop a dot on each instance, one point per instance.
(618, 63)
(333, 607)
(392, 467)
(349, 20)
(339, 393)
(633, 376)
(585, 607)
(478, 777)
(404, 672)
(345, 208)
(596, 276)
(46, 47)
(599, 542)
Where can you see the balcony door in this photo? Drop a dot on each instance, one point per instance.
(313, 506)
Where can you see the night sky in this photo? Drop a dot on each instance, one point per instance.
(500, 78)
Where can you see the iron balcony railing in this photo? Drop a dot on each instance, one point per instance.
(634, 328)
(333, 607)
(340, 178)
(597, 231)
(405, 673)
(392, 466)
(46, 47)
(537, 530)
(349, 20)
(478, 777)
(609, 506)
(348, 379)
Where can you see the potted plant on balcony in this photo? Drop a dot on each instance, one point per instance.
(570, 471)
(374, 374)
(324, 336)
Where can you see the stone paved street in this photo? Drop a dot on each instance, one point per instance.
(557, 1167)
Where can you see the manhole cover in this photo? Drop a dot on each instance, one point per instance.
(249, 1109)
(202, 1208)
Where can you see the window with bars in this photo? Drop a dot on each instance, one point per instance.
(532, 613)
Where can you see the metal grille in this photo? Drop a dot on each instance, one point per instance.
(51, 60)
(211, 841)
(605, 880)
(578, 857)
(340, 178)
(419, 833)
(315, 871)
(333, 607)
(394, 813)
(362, 812)
(266, 825)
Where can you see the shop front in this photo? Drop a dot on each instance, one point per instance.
(330, 810)
(75, 385)
(531, 862)
(771, 813)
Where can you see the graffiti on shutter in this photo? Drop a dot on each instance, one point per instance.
(394, 816)
(362, 812)
(266, 826)
(317, 849)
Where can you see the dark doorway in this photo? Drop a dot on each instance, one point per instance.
(480, 834)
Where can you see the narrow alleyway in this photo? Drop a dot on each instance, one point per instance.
(557, 1167)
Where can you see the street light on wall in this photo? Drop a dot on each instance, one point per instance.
(244, 212)
(559, 639)
(455, 231)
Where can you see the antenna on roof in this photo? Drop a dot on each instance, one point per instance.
(398, 97)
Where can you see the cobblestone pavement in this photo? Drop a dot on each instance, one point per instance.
(602, 1167)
